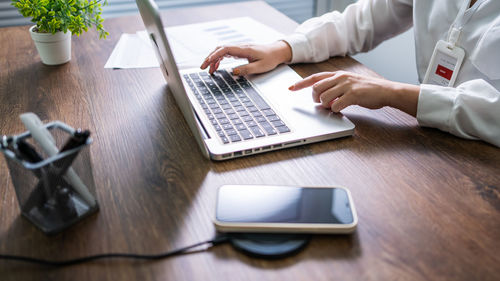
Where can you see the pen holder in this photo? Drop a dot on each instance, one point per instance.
(59, 190)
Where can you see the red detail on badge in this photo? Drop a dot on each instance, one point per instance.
(444, 72)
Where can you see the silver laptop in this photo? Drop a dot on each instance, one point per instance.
(233, 116)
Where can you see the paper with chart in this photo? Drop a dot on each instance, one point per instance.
(191, 43)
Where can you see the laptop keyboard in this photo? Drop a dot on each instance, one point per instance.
(234, 107)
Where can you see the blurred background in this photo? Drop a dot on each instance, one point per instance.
(393, 59)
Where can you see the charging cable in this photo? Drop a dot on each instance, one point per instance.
(211, 243)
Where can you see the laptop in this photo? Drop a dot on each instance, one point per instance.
(233, 116)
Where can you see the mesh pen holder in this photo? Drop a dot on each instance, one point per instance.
(59, 190)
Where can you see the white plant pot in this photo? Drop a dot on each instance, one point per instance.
(54, 49)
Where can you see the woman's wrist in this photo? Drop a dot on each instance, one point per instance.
(404, 97)
(283, 51)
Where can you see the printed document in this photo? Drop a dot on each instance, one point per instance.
(191, 43)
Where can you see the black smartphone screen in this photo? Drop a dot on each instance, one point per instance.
(283, 204)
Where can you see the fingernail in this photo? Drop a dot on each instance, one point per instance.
(291, 87)
(236, 71)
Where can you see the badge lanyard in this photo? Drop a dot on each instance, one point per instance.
(447, 56)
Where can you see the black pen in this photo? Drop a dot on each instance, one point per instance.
(22, 149)
(27, 151)
(78, 138)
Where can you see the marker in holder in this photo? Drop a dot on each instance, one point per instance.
(55, 191)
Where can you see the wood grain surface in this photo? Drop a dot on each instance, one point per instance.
(428, 202)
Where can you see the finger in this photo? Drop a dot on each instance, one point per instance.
(341, 103)
(214, 65)
(321, 86)
(217, 65)
(251, 68)
(332, 93)
(206, 62)
(211, 69)
(235, 51)
(309, 81)
(340, 77)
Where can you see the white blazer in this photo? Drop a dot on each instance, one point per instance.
(471, 109)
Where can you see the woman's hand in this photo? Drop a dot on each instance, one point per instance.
(261, 58)
(338, 90)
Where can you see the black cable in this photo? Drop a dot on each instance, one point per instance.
(216, 241)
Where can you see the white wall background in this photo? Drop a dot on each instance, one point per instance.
(394, 59)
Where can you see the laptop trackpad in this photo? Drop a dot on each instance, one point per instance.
(297, 108)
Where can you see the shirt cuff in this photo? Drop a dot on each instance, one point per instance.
(300, 47)
(435, 105)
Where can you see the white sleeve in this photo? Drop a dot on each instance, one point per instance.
(471, 110)
(360, 28)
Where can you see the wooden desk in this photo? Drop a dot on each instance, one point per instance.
(428, 202)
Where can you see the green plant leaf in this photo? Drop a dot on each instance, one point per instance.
(52, 16)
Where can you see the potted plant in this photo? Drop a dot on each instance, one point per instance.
(55, 22)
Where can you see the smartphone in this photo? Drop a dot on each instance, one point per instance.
(258, 208)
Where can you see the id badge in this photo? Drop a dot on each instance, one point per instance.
(444, 65)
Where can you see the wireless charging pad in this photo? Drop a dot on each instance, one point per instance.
(267, 245)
